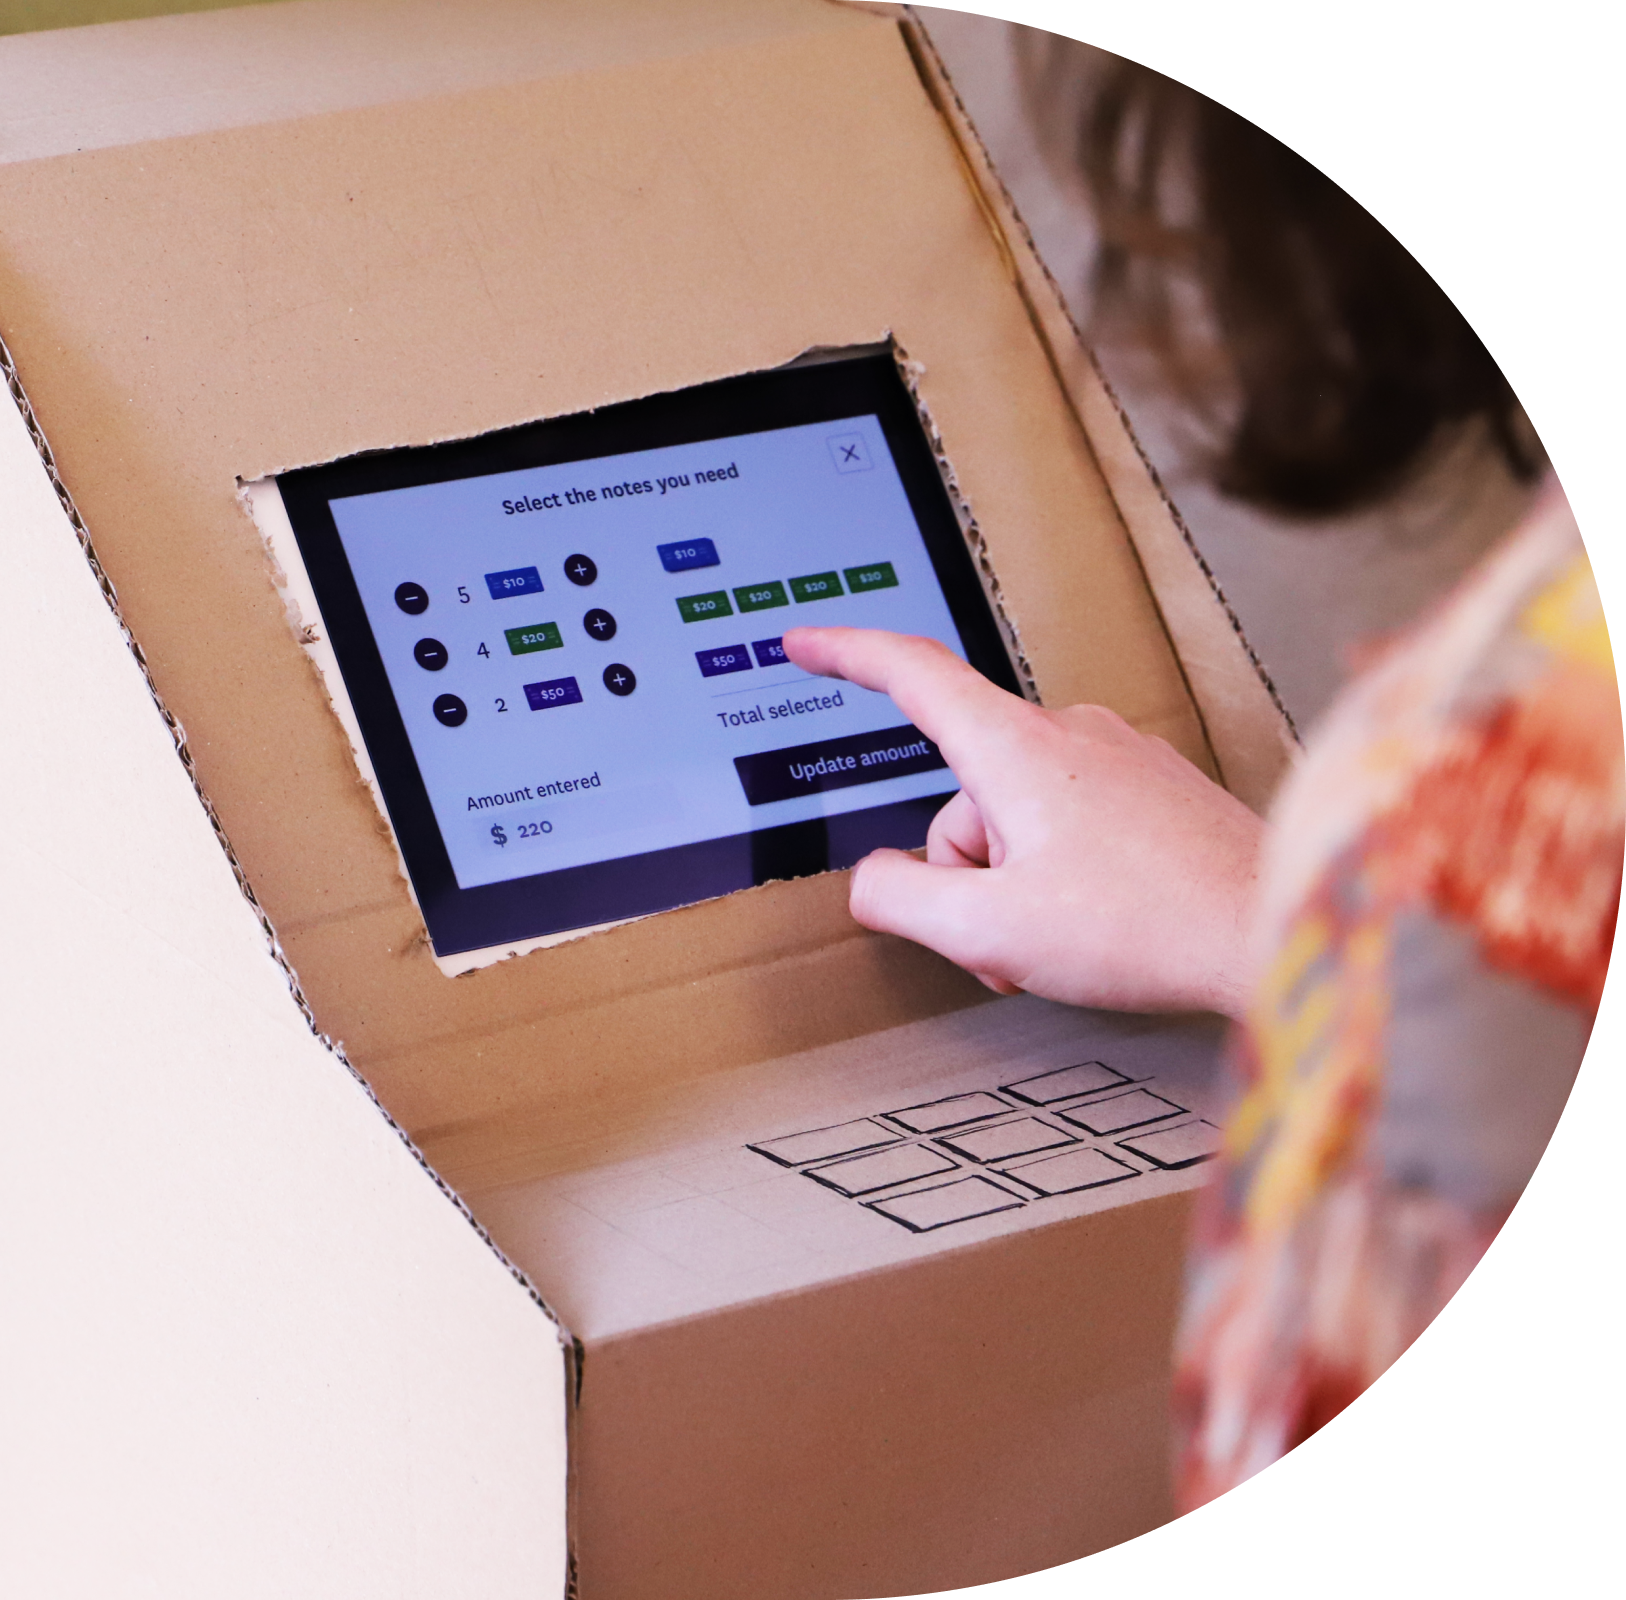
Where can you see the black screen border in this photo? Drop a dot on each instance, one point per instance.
(824, 390)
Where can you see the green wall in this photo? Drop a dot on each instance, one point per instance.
(24, 16)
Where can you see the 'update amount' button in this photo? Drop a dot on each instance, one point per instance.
(836, 764)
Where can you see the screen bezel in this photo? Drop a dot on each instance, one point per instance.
(517, 909)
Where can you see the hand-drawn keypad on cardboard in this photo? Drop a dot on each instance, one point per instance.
(1004, 1141)
(1071, 1171)
(822, 1143)
(1120, 1111)
(921, 1210)
(954, 1112)
(885, 1169)
(1066, 1083)
(1173, 1148)
(973, 1155)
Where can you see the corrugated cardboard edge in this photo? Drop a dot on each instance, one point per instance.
(19, 396)
(286, 568)
(976, 544)
(1249, 730)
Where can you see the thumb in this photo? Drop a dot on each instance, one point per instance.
(947, 909)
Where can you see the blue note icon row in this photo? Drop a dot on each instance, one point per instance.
(736, 658)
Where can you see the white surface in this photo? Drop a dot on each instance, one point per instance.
(250, 1349)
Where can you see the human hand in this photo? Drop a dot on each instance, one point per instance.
(1081, 860)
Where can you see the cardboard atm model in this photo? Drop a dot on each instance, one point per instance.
(462, 403)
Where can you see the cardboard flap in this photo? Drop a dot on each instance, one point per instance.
(259, 297)
(124, 83)
(256, 1335)
(1249, 732)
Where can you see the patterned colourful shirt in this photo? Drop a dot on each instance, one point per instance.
(1439, 904)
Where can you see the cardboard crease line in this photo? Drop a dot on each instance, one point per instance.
(940, 89)
(42, 447)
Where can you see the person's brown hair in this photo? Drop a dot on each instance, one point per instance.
(1341, 360)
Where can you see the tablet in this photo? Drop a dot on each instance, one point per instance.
(561, 644)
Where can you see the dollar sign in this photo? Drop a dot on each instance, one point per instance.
(498, 834)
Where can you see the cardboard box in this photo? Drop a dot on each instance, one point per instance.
(403, 224)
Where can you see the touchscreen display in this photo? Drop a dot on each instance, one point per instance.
(563, 644)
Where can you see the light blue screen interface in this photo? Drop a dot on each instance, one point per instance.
(586, 656)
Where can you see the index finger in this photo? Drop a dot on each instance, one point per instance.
(976, 724)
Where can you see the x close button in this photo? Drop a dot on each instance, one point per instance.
(849, 452)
